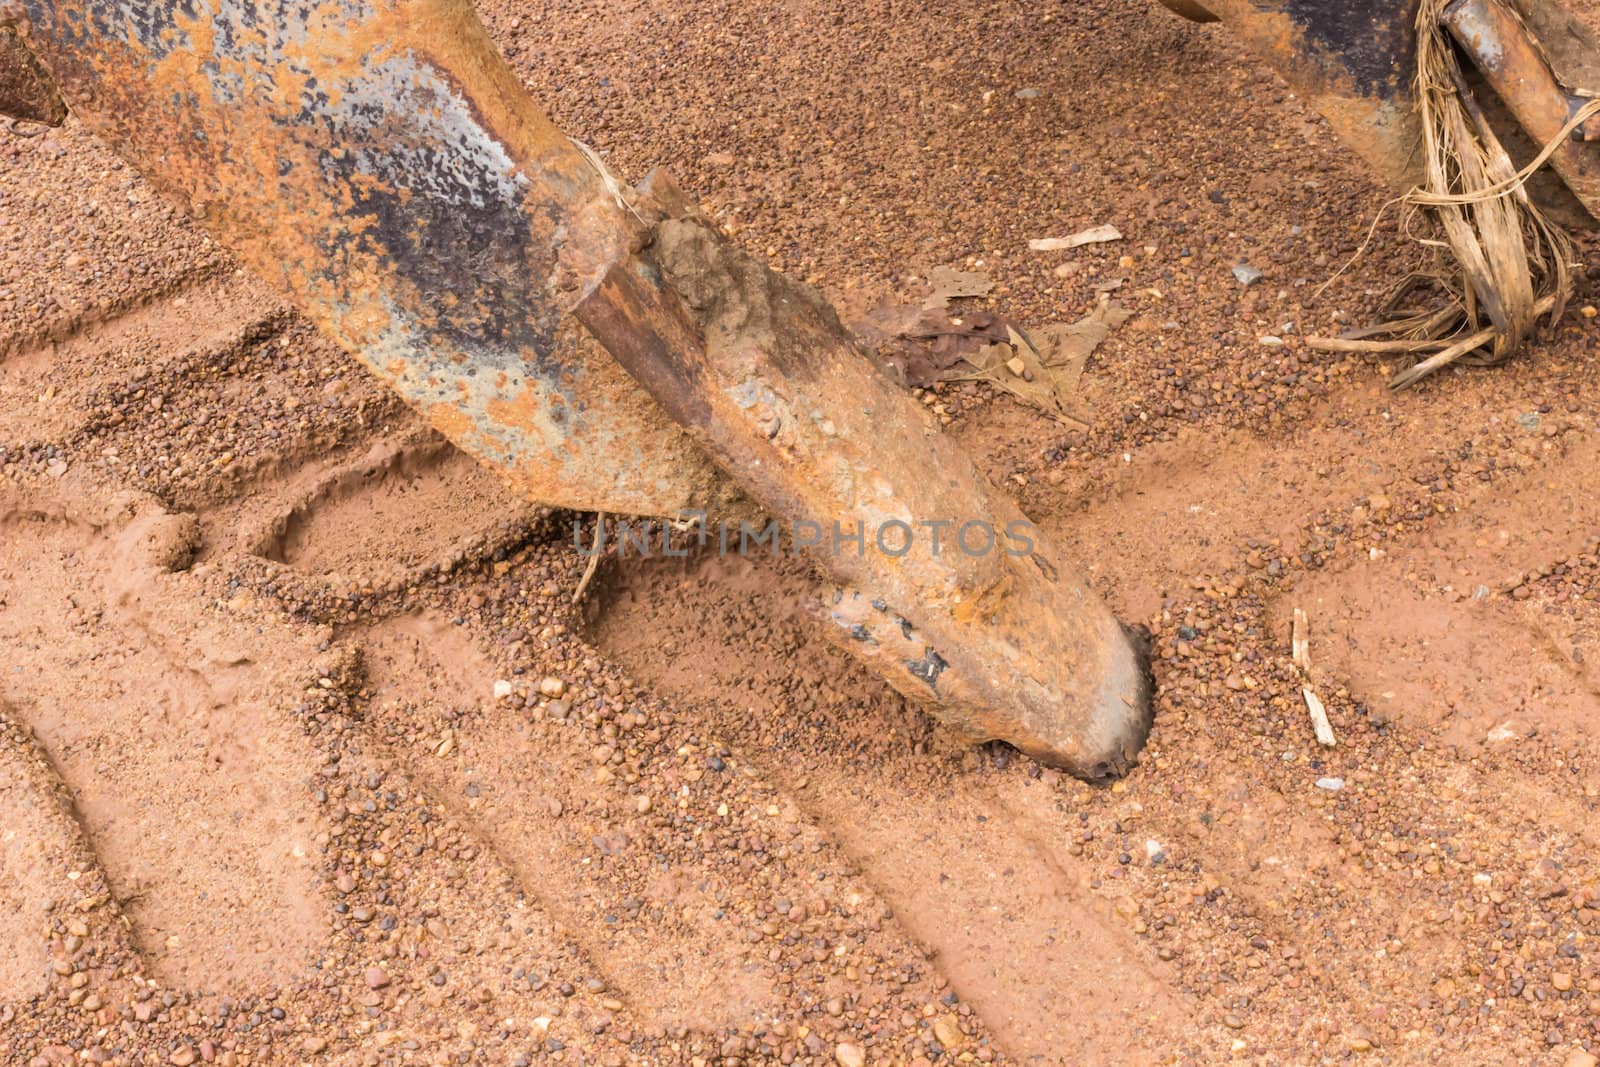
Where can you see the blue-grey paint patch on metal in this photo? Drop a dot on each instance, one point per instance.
(446, 203)
(449, 215)
(153, 26)
(1485, 44)
(1374, 41)
(445, 199)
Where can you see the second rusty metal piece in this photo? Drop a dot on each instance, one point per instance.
(377, 163)
(1519, 70)
(1355, 61)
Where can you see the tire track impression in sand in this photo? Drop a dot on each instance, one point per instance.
(1421, 626)
(989, 891)
(446, 922)
(43, 388)
(676, 960)
(171, 726)
(110, 317)
(703, 893)
(670, 902)
(31, 847)
(1428, 629)
(55, 915)
(411, 501)
(1180, 509)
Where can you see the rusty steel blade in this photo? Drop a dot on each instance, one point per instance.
(996, 643)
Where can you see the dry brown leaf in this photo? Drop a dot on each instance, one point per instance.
(927, 345)
(1033, 383)
(1047, 380)
(1068, 345)
(951, 284)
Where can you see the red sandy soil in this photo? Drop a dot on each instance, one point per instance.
(259, 803)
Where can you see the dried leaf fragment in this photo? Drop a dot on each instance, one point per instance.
(951, 284)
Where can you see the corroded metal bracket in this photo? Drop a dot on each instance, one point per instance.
(377, 162)
(998, 643)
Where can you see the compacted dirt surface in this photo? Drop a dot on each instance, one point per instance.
(306, 756)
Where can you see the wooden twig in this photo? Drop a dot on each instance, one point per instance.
(594, 559)
(1319, 719)
(1300, 652)
(1345, 344)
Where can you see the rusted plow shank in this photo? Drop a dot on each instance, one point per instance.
(378, 163)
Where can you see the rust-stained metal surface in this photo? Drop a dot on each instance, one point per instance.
(1353, 60)
(994, 641)
(25, 89)
(1568, 42)
(377, 162)
(1518, 68)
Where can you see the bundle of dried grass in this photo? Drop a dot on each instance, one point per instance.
(1511, 264)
